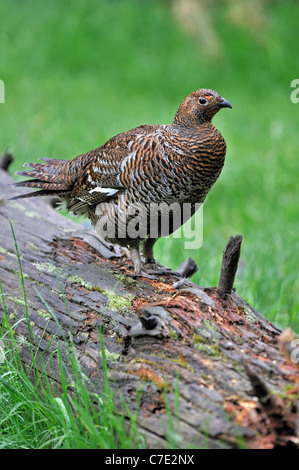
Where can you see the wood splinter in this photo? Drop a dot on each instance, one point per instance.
(229, 266)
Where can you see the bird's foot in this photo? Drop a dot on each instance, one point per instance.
(138, 267)
(152, 267)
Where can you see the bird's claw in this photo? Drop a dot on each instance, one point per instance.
(155, 268)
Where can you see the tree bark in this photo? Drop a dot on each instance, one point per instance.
(203, 353)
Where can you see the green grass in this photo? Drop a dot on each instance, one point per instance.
(80, 72)
(33, 416)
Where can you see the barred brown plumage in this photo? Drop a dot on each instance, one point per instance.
(118, 183)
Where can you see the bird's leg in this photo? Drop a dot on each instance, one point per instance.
(148, 252)
(138, 272)
(135, 255)
(150, 263)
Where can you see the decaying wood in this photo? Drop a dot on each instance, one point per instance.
(156, 334)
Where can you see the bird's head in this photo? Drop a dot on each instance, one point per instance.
(199, 107)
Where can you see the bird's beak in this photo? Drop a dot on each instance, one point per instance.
(225, 104)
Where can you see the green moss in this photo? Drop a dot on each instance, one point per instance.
(43, 313)
(111, 356)
(87, 285)
(34, 281)
(20, 302)
(83, 334)
(201, 343)
(209, 326)
(97, 289)
(79, 280)
(249, 315)
(173, 334)
(183, 363)
(47, 268)
(118, 302)
(210, 349)
(198, 339)
(126, 280)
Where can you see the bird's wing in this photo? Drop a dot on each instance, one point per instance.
(107, 171)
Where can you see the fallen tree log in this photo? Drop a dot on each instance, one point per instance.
(204, 352)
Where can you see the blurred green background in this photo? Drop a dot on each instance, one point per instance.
(78, 72)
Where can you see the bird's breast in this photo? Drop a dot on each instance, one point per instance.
(190, 166)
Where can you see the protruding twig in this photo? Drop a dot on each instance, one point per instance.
(229, 266)
(6, 160)
(147, 319)
(188, 268)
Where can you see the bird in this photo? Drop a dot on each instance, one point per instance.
(126, 186)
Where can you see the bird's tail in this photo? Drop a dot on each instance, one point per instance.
(51, 178)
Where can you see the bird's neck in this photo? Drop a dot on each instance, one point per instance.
(187, 119)
(191, 127)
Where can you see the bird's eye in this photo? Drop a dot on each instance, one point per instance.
(203, 101)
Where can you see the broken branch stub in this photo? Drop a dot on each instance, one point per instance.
(229, 266)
